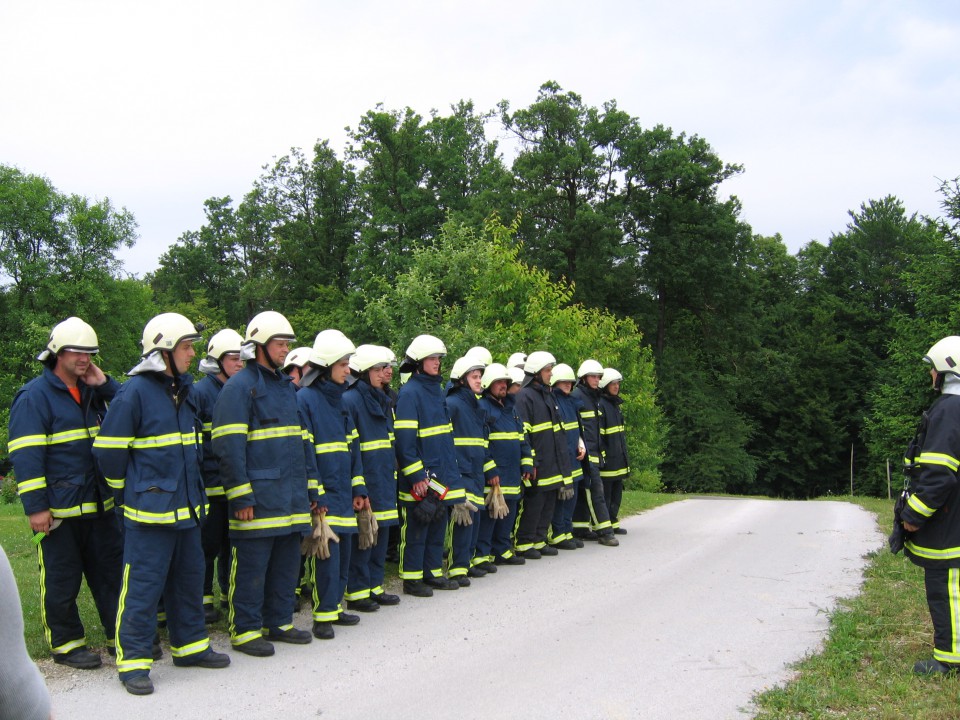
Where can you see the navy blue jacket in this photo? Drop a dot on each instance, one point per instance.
(538, 409)
(570, 419)
(266, 459)
(149, 452)
(372, 414)
(425, 438)
(470, 439)
(613, 439)
(508, 445)
(205, 393)
(334, 437)
(51, 437)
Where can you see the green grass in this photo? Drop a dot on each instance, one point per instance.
(863, 671)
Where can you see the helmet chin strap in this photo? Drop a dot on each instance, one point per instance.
(168, 354)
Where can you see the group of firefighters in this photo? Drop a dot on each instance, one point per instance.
(286, 469)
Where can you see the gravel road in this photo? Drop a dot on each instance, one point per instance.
(706, 602)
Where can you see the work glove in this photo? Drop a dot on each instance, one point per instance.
(463, 513)
(566, 492)
(317, 543)
(367, 525)
(426, 510)
(496, 505)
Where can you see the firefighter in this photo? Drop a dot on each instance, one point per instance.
(294, 364)
(511, 453)
(222, 362)
(517, 360)
(268, 469)
(342, 489)
(542, 426)
(561, 528)
(149, 452)
(613, 444)
(54, 419)
(591, 518)
(371, 413)
(929, 518)
(428, 468)
(477, 468)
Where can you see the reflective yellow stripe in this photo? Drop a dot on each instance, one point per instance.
(191, 649)
(275, 432)
(929, 458)
(611, 430)
(614, 473)
(917, 505)
(158, 441)
(270, 522)
(231, 429)
(165, 518)
(382, 515)
(356, 480)
(107, 442)
(375, 445)
(86, 508)
(406, 425)
(32, 484)
(469, 442)
(412, 468)
(116, 483)
(506, 436)
(588, 414)
(26, 441)
(235, 492)
(435, 430)
(332, 447)
(489, 465)
(931, 553)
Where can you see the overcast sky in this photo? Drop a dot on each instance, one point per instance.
(159, 106)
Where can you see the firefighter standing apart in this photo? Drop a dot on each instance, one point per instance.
(149, 452)
(930, 517)
(53, 421)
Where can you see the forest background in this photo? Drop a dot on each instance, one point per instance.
(748, 369)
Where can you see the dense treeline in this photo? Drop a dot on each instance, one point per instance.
(749, 370)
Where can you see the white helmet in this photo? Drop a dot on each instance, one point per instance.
(562, 372)
(516, 375)
(71, 334)
(369, 356)
(264, 327)
(423, 346)
(610, 375)
(330, 347)
(494, 372)
(481, 353)
(518, 359)
(537, 361)
(464, 365)
(945, 355)
(589, 367)
(166, 331)
(298, 357)
(223, 342)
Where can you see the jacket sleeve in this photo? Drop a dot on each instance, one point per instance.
(111, 448)
(936, 477)
(108, 390)
(405, 429)
(231, 423)
(28, 451)
(314, 487)
(356, 461)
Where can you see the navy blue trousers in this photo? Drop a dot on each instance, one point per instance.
(330, 579)
(464, 545)
(562, 525)
(216, 549)
(263, 581)
(160, 561)
(421, 546)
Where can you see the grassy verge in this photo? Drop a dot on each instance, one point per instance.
(864, 670)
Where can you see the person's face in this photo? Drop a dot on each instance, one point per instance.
(614, 388)
(431, 365)
(296, 373)
(472, 380)
(513, 388)
(564, 386)
(546, 374)
(387, 376)
(183, 355)
(276, 350)
(933, 378)
(592, 381)
(340, 370)
(498, 389)
(377, 374)
(72, 364)
(231, 364)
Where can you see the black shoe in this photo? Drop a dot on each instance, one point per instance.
(487, 567)
(79, 659)
(934, 667)
(140, 685)
(476, 572)
(590, 535)
(346, 620)
(210, 614)
(567, 544)
(213, 660)
(442, 583)
(290, 635)
(549, 551)
(323, 630)
(608, 540)
(619, 531)
(417, 588)
(531, 554)
(512, 560)
(462, 580)
(578, 542)
(363, 605)
(257, 647)
(386, 599)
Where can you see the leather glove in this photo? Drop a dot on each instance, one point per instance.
(565, 492)
(367, 525)
(462, 514)
(427, 509)
(496, 504)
